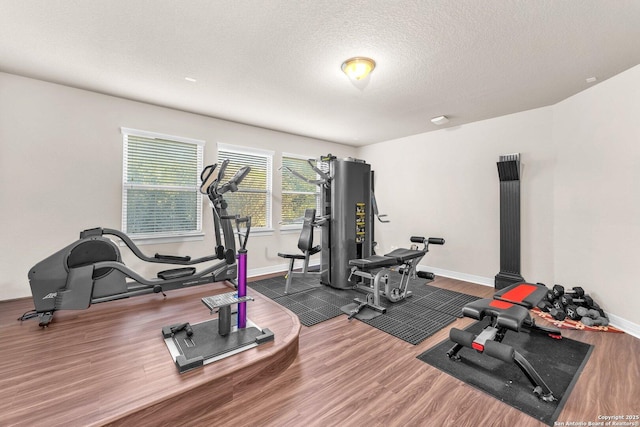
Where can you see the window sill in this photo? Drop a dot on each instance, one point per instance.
(291, 229)
(261, 232)
(167, 238)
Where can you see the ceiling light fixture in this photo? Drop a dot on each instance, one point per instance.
(440, 120)
(358, 68)
(190, 79)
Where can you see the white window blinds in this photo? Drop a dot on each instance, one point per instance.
(297, 194)
(253, 197)
(161, 175)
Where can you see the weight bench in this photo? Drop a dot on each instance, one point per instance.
(375, 270)
(508, 311)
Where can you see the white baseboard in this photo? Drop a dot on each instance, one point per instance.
(625, 325)
(279, 268)
(486, 281)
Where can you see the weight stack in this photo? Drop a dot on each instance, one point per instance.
(509, 174)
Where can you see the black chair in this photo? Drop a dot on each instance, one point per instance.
(305, 244)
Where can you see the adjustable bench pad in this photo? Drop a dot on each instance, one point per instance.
(404, 255)
(510, 316)
(396, 257)
(525, 294)
(312, 251)
(510, 306)
(374, 261)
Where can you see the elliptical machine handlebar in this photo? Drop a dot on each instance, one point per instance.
(157, 258)
(207, 178)
(232, 184)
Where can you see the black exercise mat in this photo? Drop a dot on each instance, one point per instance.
(274, 287)
(312, 302)
(413, 320)
(421, 315)
(410, 322)
(559, 363)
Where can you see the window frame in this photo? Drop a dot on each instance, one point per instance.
(295, 225)
(168, 236)
(257, 152)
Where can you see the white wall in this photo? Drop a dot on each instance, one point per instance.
(597, 195)
(580, 193)
(61, 172)
(445, 184)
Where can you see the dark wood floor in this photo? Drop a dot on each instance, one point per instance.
(345, 373)
(109, 364)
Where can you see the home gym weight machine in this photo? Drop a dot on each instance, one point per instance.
(375, 270)
(345, 216)
(91, 270)
(347, 213)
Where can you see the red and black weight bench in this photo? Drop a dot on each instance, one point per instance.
(508, 311)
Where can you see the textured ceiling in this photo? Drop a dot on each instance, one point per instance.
(276, 63)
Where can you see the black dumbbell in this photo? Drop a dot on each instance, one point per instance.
(589, 312)
(585, 300)
(600, 321)
(557, 314)
(558, 290)
(549, 296)
(572, 312)
(595, 306)
(557, 304)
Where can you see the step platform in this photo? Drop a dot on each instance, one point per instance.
(192, 346)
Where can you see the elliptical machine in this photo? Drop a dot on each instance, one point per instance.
(91, 270)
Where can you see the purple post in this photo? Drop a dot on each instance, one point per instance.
(242, 288)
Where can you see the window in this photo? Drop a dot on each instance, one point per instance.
(297, 195)
(160, 194)
(253, 197)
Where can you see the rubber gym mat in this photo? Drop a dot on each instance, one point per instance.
(274, 287)
(559, 363)
(409, 321)
(413, 320)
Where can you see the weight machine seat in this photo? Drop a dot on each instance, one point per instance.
(374, 261)
(305, 244)
(403, 255)
(396, 257)
(312, 251)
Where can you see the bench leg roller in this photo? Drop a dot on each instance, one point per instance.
(499, 351)
(502, 352)
(461, 339)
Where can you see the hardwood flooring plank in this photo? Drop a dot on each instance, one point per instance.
(109, 364)
(337, 373)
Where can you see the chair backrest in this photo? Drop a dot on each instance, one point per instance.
(305, 242)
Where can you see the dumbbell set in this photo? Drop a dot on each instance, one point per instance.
(574, 304)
